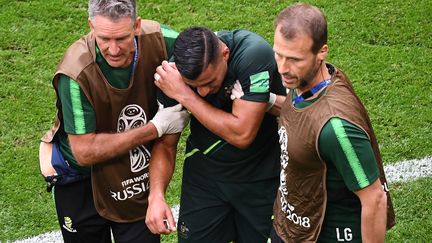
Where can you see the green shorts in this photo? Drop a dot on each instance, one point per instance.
(213, 211)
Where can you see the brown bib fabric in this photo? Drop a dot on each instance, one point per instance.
(120, 186)
(301, 200)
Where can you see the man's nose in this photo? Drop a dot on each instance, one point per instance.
(283, 66)
(203, 91)
(113, 48)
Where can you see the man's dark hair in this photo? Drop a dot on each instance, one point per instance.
(194, 50)
(303, 18)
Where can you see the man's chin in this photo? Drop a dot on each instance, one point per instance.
(289, 86)
(116, 63)
(290, 83)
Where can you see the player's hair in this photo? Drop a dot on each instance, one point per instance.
(194, 50)
(113, 9)
(302, 18)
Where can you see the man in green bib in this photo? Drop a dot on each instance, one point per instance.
(109, 125)
(231, 170)
(332, 182)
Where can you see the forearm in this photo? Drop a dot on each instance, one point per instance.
(95, 148)
(162, 164)
(206, 114)
(159, 218)
(374, 223)
(374, 212)
(236, 128)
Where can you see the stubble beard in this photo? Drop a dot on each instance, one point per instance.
(310, 76)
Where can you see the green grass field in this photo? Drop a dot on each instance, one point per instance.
(385, 47)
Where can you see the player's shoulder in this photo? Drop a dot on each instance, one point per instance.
(249, 38)
(77, 57)
(252, 45)
(338, 125)
(149, 26)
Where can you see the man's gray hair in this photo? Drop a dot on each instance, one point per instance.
(113, 9)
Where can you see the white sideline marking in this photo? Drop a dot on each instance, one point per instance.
(402, 171)
(409, 170)
(50, 237)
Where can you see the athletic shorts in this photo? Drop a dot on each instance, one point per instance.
(212, 211)
(80, 222)
(274, 238)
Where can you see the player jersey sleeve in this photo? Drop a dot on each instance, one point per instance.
(78, 114)
(254, 68)
(276, 85)
(348, 148)
(169, 36)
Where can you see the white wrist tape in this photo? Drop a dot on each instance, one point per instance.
(271, 101)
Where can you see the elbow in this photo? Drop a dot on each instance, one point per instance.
(380, 197)
(241, 145)
(84, 149)
(242, 142)
(83, 162)
(82, 157)
(381, 200)
(373, 197)
(377, 202)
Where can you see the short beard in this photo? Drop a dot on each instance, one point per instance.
(304, 82)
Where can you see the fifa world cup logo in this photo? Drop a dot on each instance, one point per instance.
(133, 116)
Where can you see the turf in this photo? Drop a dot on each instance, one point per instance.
(384, 46)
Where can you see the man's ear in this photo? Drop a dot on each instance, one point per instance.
(322, 53)
(225, 51)
(137, 26)
(90, 25)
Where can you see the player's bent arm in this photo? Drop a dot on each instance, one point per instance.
(274, 103)
(238, 128)
(374, 212)
(161, 169)
(93, 148)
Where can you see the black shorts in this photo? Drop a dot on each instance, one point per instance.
(80, 222)
(213, 211)
(274, 238)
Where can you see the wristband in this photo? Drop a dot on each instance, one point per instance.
(271, 101)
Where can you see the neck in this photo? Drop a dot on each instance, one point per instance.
(321, 74)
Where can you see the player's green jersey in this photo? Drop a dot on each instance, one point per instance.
(78, 114)
(343, 168)
(251, 62)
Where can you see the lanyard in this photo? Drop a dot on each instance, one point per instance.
(135, 57)
(311, 92)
